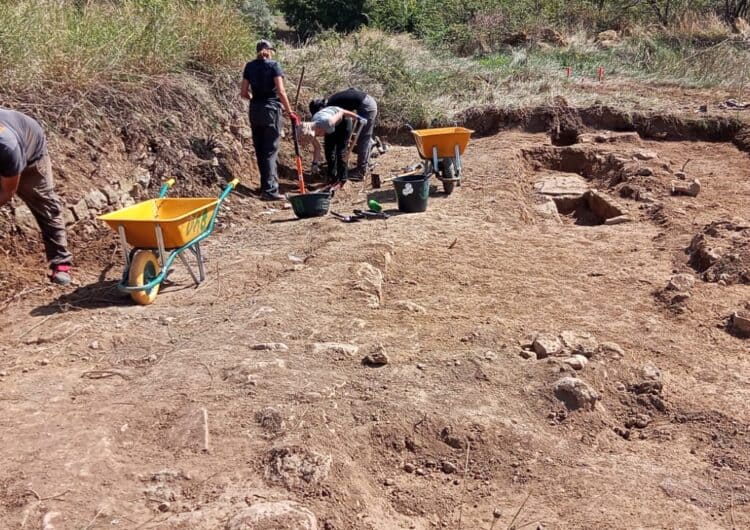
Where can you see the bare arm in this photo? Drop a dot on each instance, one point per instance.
(8, 187)
(244, 90)
(279, 81)
(317, 151)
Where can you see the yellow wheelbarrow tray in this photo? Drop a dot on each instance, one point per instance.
(442, 148)
(155, 232)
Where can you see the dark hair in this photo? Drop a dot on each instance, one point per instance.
(317, 104)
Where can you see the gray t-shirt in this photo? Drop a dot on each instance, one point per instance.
(321, 120)
(22, 142)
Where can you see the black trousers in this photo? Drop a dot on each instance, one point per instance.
(335, 149)
(265, 124)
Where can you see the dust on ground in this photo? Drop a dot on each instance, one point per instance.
(530, 374)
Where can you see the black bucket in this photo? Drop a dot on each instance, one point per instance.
(310, 204)
(412, 192)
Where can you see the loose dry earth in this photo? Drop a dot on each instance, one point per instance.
(246, 403)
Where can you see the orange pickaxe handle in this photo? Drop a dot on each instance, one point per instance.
(300, 174)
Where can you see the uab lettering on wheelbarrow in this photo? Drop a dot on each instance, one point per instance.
(154, 233)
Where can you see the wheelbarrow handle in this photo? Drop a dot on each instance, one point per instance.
(165, 188)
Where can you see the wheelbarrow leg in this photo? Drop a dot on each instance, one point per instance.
(124, 243)
(184, 261)
(196, 249)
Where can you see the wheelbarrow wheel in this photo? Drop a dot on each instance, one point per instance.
(449, 172)
(143, 269)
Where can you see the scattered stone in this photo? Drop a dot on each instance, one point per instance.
(420, 366)
(389, 482)
(451, 439)
(643, 154)
(270, 346)
(651, 372)
(376, 358)
(96, 200)
(579, 342)
(575, 394)
(611, 348)
(24, 219)
(577, 362)
(640, 421)
(546, 345)
(526, 354)
(680, 175)
(497, 513)
(420, 472)
(369, 282)
(335, 348)
(691, 188)
(645, 172)
(3, 373)
(409, 467)
(624, 433)
(297, 467)
(408, 305)
(681, 282)
(296, 259)
(268, 515)
(80, 210)
(95, 345)
(741, 323)
(549, 209)
(448, 467)
(44, 362)
(620, 219)
(164, 507)
(620, 387)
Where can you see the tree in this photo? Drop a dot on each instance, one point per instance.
(309, 17)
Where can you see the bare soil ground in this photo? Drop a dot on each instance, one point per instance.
(174, 416)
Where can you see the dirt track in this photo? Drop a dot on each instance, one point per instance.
(103, 403)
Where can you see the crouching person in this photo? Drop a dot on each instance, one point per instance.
(336, 125)
(26, 171)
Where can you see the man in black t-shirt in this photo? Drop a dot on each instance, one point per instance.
(364, 105)
(263, 85)
(26, 171)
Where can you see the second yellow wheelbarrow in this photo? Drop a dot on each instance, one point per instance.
(441, 149)
(154, 233)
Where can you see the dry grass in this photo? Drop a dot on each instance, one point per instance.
(56, 43)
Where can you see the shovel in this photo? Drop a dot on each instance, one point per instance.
(377, 182)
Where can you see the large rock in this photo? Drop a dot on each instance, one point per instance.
(81, 210)
(286, 515)
(96, 200)
(575, 394)
(691, 188)
(579, 342)
(24, 219)
(546, 345)
(741, 323)
(562, 186)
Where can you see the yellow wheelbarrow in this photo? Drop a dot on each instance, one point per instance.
(154, 233)
(441, 149)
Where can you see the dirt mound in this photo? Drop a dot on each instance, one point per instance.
(721, 252)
